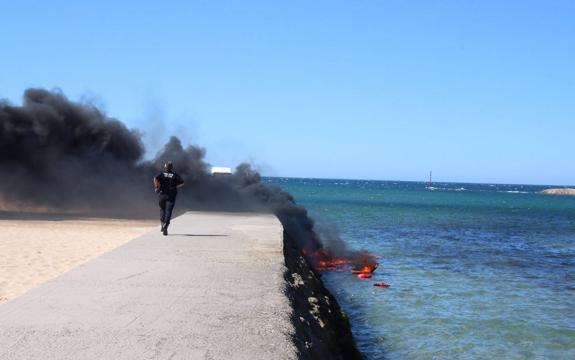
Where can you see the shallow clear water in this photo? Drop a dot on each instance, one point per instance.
(477, 271)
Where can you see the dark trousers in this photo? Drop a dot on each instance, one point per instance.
(166, 206)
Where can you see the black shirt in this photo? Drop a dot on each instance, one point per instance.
(169, 182)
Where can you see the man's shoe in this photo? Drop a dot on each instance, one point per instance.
(165, 231)
(162, 227)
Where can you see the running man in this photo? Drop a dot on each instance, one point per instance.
(166, 184)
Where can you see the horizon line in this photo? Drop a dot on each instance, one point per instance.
(417, 181)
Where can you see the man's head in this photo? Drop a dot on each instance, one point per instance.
(168, 166)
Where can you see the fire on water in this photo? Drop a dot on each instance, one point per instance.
(358, 262)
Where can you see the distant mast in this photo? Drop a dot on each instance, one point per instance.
(429, 183)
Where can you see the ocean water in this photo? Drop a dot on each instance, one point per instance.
(477, 271)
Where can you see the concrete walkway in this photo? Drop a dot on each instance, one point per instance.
(212, 289)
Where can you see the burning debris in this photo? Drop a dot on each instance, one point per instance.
(364, 262)
(360, 263)
(366, 269)
(323, 260)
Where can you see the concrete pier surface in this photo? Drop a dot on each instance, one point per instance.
(213, 289)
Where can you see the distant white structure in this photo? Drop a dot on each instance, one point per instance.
(220, 170)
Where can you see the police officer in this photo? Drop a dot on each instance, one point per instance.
(166, 184)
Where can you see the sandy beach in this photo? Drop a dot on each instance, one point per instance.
(34, 251)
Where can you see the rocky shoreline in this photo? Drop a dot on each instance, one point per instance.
(322, 329)
(559, 191)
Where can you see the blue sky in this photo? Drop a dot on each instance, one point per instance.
(477, 91)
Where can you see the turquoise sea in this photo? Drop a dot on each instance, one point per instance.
(477, 271)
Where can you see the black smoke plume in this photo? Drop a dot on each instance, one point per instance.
(67, 156)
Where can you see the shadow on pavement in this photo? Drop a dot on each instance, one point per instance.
(195, 235)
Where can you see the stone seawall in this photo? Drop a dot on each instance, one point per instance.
(322, 329)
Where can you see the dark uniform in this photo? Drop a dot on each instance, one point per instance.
(168, 191)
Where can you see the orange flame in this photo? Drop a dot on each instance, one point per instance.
(323, 260)
(366, 269)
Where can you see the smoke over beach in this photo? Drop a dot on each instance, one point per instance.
(71, 157)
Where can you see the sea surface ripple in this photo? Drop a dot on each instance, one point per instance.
(477, 271)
